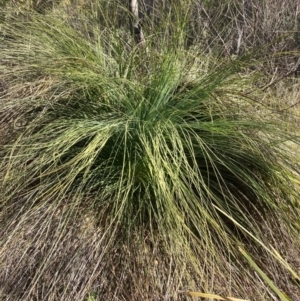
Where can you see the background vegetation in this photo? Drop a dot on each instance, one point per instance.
(154, 172)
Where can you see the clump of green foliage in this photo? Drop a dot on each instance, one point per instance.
(131, 173)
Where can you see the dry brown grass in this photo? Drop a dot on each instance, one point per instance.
(79, 263)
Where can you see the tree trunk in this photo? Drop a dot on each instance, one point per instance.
(136, 19)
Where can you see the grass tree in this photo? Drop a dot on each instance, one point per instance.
(136, 177)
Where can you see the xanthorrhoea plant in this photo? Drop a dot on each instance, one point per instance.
(129, 175)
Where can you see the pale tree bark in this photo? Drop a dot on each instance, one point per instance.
(136, 21)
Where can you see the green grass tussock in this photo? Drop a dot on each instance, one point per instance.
(129, 174)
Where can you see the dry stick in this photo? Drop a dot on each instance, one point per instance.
(216, 32)
(290, 72)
